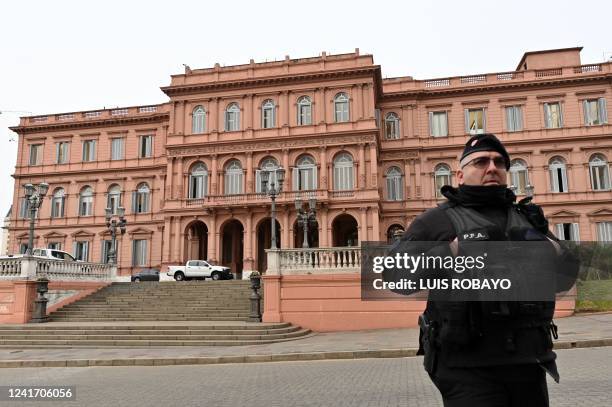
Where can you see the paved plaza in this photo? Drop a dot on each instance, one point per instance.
(585, 381)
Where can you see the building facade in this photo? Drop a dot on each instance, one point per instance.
(373, 152)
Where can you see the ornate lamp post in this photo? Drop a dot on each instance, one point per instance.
(34, 195)
(113, 224)
(272, 190)
(306, 216)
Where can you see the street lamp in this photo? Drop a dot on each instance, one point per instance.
(272, 190)
(113, 224)
(34, 195)
(306, 216)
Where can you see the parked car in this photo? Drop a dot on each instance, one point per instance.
(199, 269)
(146, 275)
(51, 254)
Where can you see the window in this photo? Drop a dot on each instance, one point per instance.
(141, 199)
(343, 172)
(269, 164)
(304, 117)
(305, 174)
(438, 124)
(81, 250)
(106, 247)
(395, 187)
(595, 112)
(57, 203)
(442, 176)
(268, 114)
(233, 178)
(117, 148)
(600, 173)
(567, 231)
(604, 231)
(89, 150)
(341, 108)
(394, 233)
(145, 148)
(36, 154)
(198, 181)
(139, 252)
(24, 208)
(86, 202)
(558, 175)
(392, 131)
(62, 152)
(232, 117)
(475, 122)
(54, 246)
(553, 116)
(23, 248)
(113, 199)
(198, 120)
(519, 178)
(514, 118)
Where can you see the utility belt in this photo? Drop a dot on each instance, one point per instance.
(428, 337)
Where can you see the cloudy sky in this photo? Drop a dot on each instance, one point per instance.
(59, 56)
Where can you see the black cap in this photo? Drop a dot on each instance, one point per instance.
(485, 142)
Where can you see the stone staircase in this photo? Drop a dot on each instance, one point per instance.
(197, 313)
(164, 301)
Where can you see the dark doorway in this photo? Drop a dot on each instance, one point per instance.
(344, 231)
(298, 234)
(196, 241)
(232, 243)
(264, 241)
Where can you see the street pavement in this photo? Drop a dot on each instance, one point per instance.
(576, 331)
(585, 381)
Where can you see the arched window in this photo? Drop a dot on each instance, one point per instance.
(304, 111)
(305, 174)
(442, 176)
(394, 233)
(233, 178)
(392, 126)
(395, 186)
(113, 198)
(141, 199)
(600, 173)
(57, 203)
(268, 115)
(232, 117)
(271, 165)
(86, 201)
(341, 108)
(198, 181)
(343, 172)
(519, 177)
(198, 121)
(558, 175)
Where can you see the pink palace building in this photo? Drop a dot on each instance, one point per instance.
(373, 152)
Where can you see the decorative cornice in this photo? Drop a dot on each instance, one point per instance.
(90, 124)
(267, 81)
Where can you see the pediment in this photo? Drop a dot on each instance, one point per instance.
(82, 233)
(54, 235)
(601, 212)
(140, 231)
(563, 214)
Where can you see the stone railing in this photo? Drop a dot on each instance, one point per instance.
(326, 260)
(31, 268)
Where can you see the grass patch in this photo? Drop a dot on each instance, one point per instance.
(594, 296)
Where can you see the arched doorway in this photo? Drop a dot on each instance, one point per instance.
(264, 241)
(196, 241)
(344, 231)
(298, 234)
(232, 243)
(394, 233)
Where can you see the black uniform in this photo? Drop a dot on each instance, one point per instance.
(472, 359)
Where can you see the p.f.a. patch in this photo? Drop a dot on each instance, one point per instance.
(475, 235)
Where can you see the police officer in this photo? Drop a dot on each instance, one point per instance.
(475, 356)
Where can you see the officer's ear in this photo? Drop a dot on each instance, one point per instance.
(460, 178)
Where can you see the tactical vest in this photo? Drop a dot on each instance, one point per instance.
(491, 333)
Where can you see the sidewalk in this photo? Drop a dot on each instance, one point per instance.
(574, 332)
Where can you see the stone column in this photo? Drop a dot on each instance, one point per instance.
(363, 225)
(248, 112)
(213, 238)
(169, 177)
(213, 114)
(375, 224)
(373, 166)
(324, 237)
(179, 179)
(407, 194)
(358, 98)
(177, 241)
(285, 227)
(249, 255)
(417, 178)
(249, 173)
(324, 175)
(362, 167)
(214, 178)
(284, 110)
(167, 240)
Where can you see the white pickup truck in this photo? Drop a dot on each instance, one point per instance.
(199, 269)
(51, 254)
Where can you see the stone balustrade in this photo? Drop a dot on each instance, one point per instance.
(31, 268)
(327, 260)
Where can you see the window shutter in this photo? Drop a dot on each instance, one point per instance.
(560, 114)
(63, 203)
(314, 177)
(258, 181)
(133, 201)
(509, 122)
(147, 201)
(559, 231)
(484, 120)
(295, 179)
(431, 128)
(585, 112)
(603, 111)
(575, 232)
(467, 120)
(134, 254)
(519, 118)
(564, 179)
(546, 116)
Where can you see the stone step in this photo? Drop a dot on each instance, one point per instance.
(8, 334)
(136, 327)
(150, 337)
(157, 318)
